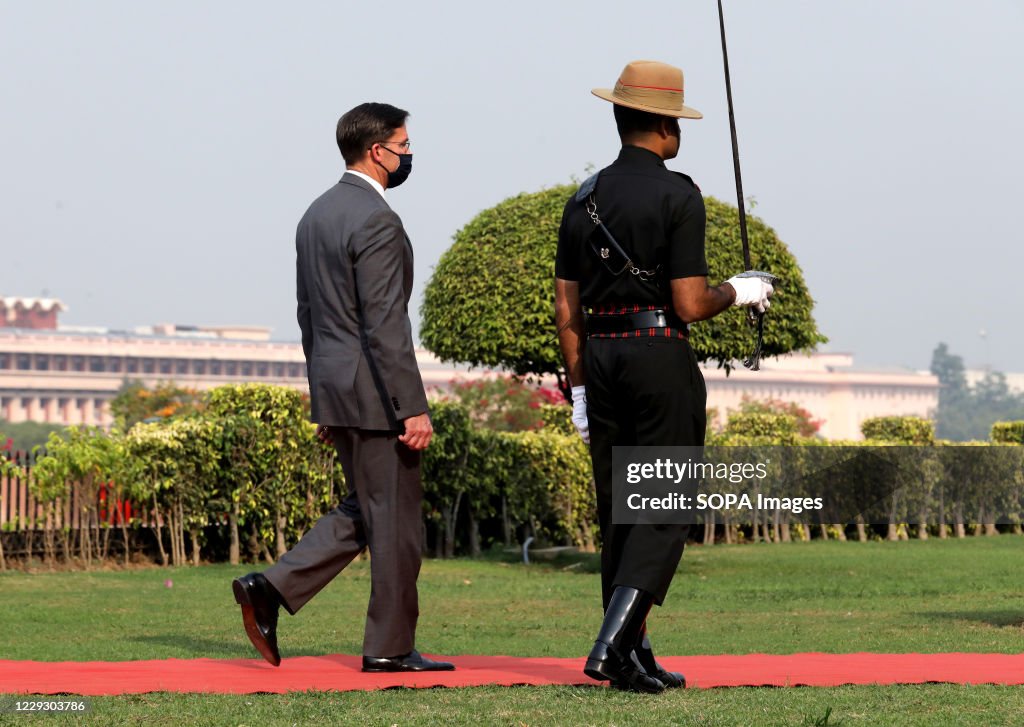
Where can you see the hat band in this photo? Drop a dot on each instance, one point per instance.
(662, 98)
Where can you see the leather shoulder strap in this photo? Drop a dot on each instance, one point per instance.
(587, 188)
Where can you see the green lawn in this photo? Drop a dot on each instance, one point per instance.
(933, 596)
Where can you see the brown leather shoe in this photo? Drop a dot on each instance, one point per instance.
(260, 605)
(412, 661)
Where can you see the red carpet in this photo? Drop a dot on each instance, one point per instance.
(341, 673)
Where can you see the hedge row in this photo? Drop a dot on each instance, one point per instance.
(245, 477)
(941, 487)
(507, 484)
(1008, 432)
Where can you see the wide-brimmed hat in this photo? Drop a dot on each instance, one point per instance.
(650, 86)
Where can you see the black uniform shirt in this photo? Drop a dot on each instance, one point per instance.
(656, 215)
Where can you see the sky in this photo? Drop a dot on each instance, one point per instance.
(156, 157)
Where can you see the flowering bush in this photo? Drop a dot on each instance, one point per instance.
(135, 402)
(806, 424)
(503, 403)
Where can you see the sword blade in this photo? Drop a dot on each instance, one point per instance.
(735, 145)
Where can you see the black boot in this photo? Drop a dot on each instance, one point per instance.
(610, 659)
(645, 656)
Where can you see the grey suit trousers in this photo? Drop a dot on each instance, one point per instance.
(382, 511)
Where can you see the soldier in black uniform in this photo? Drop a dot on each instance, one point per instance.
(630, 275)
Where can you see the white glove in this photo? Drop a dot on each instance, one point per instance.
(752, 292)
(579, 412)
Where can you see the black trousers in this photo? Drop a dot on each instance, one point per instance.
(640, 391)
(382, 512)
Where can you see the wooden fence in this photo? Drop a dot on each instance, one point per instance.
(20, 512)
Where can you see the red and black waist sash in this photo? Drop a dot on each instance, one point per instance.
(634, 321)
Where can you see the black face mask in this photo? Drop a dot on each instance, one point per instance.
(398, 176)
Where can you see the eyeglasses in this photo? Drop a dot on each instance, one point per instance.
(403, 145)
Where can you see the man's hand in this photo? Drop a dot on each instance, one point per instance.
(751, 293)
(418, 431)
(323, 433)
(579, 412)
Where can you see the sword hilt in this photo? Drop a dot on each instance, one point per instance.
(766, 277)
(754, 361)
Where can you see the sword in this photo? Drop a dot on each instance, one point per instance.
(754, 361)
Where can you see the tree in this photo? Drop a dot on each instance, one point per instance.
(263, 430)
(135, 402)
(914, 478)
(954, 395)
(950, 371)
(91, 458)
(964, 413)
(172, 466)
(151, 470)
(490, 300)
(445, 479)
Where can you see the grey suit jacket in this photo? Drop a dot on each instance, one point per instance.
(354, 264)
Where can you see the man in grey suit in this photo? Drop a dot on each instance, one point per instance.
(355, 269)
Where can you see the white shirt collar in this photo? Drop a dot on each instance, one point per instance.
(373, 182)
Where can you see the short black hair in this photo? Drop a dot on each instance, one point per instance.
(631, 122)
(364, 126)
